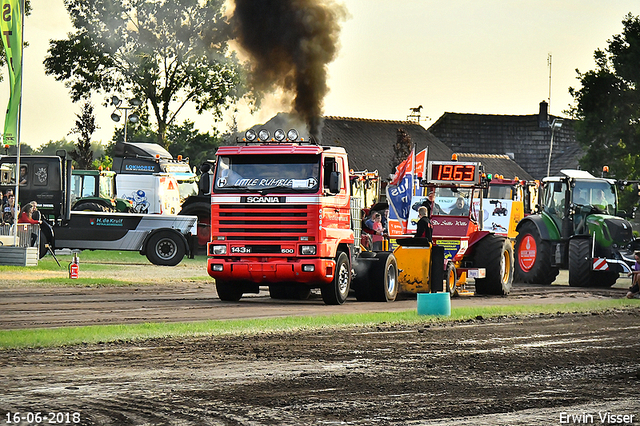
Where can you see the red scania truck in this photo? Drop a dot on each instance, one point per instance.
(282, 215)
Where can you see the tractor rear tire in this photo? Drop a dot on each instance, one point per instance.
(580, 272)
(336, 292)
(538, 269)
(450, 279)
(90, 207)
(495, 254)
(384, 277)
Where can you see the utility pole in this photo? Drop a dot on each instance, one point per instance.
(549, 57)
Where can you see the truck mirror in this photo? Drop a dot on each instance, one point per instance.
(335, 182)
(557, 186)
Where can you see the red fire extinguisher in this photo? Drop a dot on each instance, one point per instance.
(74, 267)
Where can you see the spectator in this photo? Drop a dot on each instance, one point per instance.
(9, 210)
(378, 235)
(433, 208)
(23, 175)
(26, 214)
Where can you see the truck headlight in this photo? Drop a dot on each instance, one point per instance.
(308, 250)
(221, 249)
(217, 268)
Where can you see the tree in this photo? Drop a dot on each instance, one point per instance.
(85, 126)
(165, 53)
(608, 106)
(192, 144)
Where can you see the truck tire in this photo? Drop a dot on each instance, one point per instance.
(228, 291)
(165, 248)
(535, 268)
(450, 278)
(495, 254)
(336, 292)
(203, 211)
(90, 207)
(384, 277)
(580, 272)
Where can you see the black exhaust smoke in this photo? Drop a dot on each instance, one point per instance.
(291, 42)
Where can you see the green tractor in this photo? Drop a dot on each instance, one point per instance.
(95, 190)
(578, 227)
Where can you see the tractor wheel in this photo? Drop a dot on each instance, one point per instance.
(165, 248)
(228, 291)
(450, 278)
(495, 254)
(533, 257)
(384, 278)
(580, 272)
(336, 292)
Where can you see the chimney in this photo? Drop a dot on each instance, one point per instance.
(543, 115)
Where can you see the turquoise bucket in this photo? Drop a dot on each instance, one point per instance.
(434, 304)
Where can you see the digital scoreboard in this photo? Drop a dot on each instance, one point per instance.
(453, 172)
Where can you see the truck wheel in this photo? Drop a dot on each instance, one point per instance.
(90, 207)
(228, 291)
(203, 211)
(165, 248)
(580, 272)
(451, 278)
(533, 257)
(384, 275)
(495, 254)
(336, 292)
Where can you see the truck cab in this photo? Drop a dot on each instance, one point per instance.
(281, 215)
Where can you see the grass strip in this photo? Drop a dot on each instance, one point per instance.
(63, 336)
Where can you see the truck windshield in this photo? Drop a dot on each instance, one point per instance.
(300, 173)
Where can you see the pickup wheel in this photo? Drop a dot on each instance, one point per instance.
(228, 291)
(165, 248)
(495, 254)
(533, 257)
(580, 272)
(336, 292)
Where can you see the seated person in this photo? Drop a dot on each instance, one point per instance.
(460, 209)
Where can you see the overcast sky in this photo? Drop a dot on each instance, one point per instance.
(467, 56)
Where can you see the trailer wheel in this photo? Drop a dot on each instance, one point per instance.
(361, 283)
(533, 257)
(228, 291)
(336, 292)
(384, 273)
(165, 248)
(451, 278)
(580, 272)
(495, 254)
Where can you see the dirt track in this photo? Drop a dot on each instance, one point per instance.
(507, 371)
(529, 370)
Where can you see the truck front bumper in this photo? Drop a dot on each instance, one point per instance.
(313, 271)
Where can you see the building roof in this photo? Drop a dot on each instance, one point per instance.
(496, 164)
(525, 137)
(368, 142)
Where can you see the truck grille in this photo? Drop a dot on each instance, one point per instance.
(262, 222)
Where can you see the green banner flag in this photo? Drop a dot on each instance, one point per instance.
(11, 28)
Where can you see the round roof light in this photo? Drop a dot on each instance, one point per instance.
(279, 135)
(250, 135)
(292, 134)
(115, 117)
(263, 135)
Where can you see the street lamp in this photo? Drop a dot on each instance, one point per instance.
(133, 118)
(555, 124)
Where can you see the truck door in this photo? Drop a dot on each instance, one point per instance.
(335, 199)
